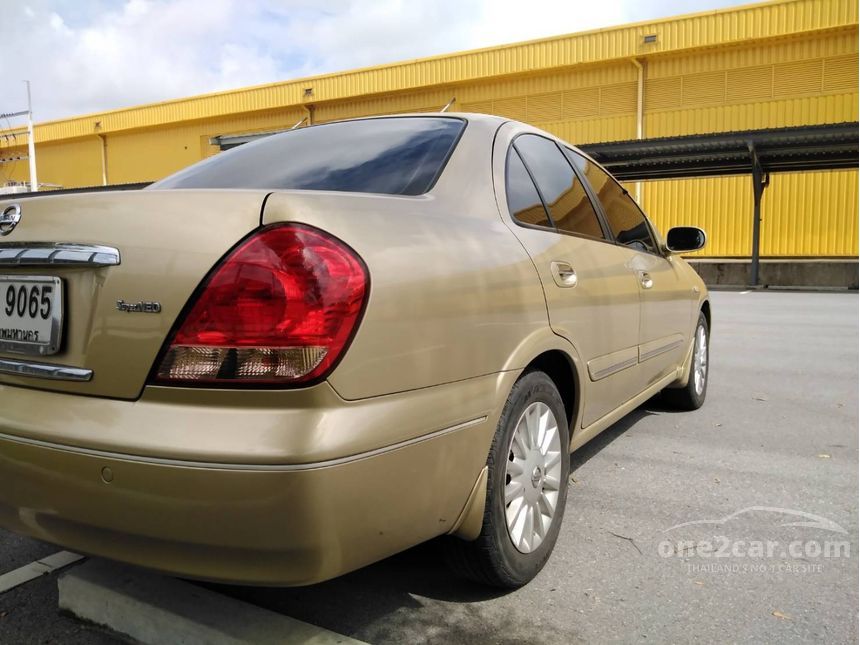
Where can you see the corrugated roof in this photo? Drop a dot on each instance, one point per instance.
(818, 147)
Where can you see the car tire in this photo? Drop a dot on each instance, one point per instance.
(536, 480)
(692, 395)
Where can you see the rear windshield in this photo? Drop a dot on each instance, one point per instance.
(394, 156)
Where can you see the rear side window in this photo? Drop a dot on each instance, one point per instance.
(625, 218)
(523, 198)
(563, 192)
(394, 156)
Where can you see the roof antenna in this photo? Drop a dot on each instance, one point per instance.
(304, 118)
(448, 104)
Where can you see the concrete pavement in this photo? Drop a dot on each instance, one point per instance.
(774, 450)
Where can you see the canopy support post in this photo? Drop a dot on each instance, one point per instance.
(761, 180)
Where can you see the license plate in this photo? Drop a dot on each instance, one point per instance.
(31, 314)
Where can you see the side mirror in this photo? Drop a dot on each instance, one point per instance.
(682, 239)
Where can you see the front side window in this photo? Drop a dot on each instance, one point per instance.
(565, 196)
(625, 219)
(524, 202)
(393, 156)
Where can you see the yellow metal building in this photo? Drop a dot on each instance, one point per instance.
(773, 64)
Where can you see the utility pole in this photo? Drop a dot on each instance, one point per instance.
(31, 142)
(31, 145)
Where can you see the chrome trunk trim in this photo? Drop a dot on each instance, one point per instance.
(44, 370)
(32, 254)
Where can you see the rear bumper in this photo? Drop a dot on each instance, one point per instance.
(254, 523)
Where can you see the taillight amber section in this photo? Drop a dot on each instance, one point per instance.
(280, 309)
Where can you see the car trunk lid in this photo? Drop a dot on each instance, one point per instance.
(125, 264)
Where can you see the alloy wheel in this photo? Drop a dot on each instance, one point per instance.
(532, 477)
(700, 360)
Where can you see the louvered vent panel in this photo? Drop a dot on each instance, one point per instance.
(580, 103)
(840, 73)
(662, 93)
(544, 107)
(803, 77)
(511, 108)
(618, 99)
(749, 83)
(702, 89)
(481, 107)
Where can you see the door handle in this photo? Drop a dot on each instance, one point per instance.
(563, 274)
(645, 280)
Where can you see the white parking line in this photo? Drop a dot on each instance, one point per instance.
(155, 609)
(37, 569)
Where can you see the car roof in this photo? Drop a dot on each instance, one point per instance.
(469, 116)
(487, 119)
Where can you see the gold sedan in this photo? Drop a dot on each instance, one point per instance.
(316, 350)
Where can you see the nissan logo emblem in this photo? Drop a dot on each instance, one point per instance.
(9, 219)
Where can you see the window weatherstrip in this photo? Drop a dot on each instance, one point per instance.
(596, 204)
(537, 187)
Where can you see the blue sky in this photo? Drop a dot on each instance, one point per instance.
(90, 55)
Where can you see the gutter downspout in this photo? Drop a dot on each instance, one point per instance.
(640, 114)
(103, 147)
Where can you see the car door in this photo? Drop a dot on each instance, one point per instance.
(666, 298)
(592, 297)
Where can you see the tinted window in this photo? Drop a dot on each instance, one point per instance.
(624, 217)
(523, 199)
(396, 156)
(568, 203)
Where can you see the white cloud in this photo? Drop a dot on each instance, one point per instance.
(90, 55)
(138, 51)
(512, 20)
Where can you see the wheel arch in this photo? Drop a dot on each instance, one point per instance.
(560, 368)
(556, 357)
(684, 374)
(706, 309)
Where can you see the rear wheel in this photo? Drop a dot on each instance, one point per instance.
(692, 396)
(526, 489)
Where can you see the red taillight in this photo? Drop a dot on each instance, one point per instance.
(279, 309)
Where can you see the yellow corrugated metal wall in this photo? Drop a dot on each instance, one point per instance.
(810, 214)
(792, 62)
(809, 80)
(150, 154)
(813, 214)
(63, 163)
(722, 206)
(139, 155)
(803, 81)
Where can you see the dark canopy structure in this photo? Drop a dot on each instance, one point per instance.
(811, 147)
(755, 152)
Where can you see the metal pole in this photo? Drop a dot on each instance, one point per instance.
(640, 114)
(31, 143)
(756, 232)
(103, 148)
(760, 182)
